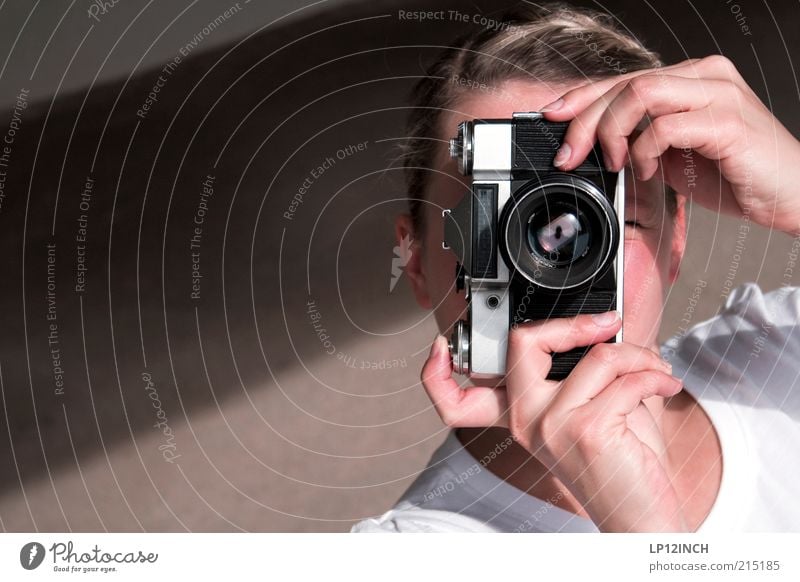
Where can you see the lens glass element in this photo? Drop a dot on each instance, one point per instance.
(560, 240)
(559, 232)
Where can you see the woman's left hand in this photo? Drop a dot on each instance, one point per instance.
(709, 137)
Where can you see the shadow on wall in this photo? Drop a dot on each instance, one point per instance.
(196, 233)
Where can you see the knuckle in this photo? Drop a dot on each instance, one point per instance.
(425, 375)
(645, 384)
(542, 430)
(652, 380)
(638, 351)
(646, 357)
(449, 417)
(603, 353)
(524, 335)
(654, 359)
(731, 91)
(720, 62)
(643, 86)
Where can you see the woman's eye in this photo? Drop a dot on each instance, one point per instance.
(633, 223)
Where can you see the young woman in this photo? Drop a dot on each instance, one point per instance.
(703, 438)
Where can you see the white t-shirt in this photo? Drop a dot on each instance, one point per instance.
(742, 366)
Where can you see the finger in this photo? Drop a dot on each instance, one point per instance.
(698, 178)
(580, 136)
(531, 344)
(649, 97)
(456, 406)
(576, 100)
(613, 118)
(712, 136)
(528, 359)
(621, 397)
(573, 104)
(601, 366)
(604, 419)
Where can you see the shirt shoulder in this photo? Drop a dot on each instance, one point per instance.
(435, 501)
(456, 492)
(751, 346)
(408, 518)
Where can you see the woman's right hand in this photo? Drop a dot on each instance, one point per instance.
(590, 430)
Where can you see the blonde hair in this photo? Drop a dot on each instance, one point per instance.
(552, 43)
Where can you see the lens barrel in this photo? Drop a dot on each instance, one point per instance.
(560, 233)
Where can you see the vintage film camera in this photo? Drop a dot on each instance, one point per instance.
(532, 242)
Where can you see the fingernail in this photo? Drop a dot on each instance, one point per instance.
(605, 319)
(607, 163)
(562, 155)
(438, 346)
(557, 104)
(667, 365)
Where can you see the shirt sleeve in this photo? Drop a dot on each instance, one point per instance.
(751, 345)
(413, 519)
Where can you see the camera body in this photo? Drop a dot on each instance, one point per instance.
(532, 242)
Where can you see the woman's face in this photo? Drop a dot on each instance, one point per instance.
(653, 246)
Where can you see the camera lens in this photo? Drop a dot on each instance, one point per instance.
(561, 240)
(559, 233)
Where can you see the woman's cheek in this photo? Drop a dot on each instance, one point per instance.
(643, 298)
(452, 308)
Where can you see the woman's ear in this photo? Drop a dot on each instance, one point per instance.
(408, 243)
(678, 239)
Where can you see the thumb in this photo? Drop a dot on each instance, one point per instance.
(457, 406)
(531, 344)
